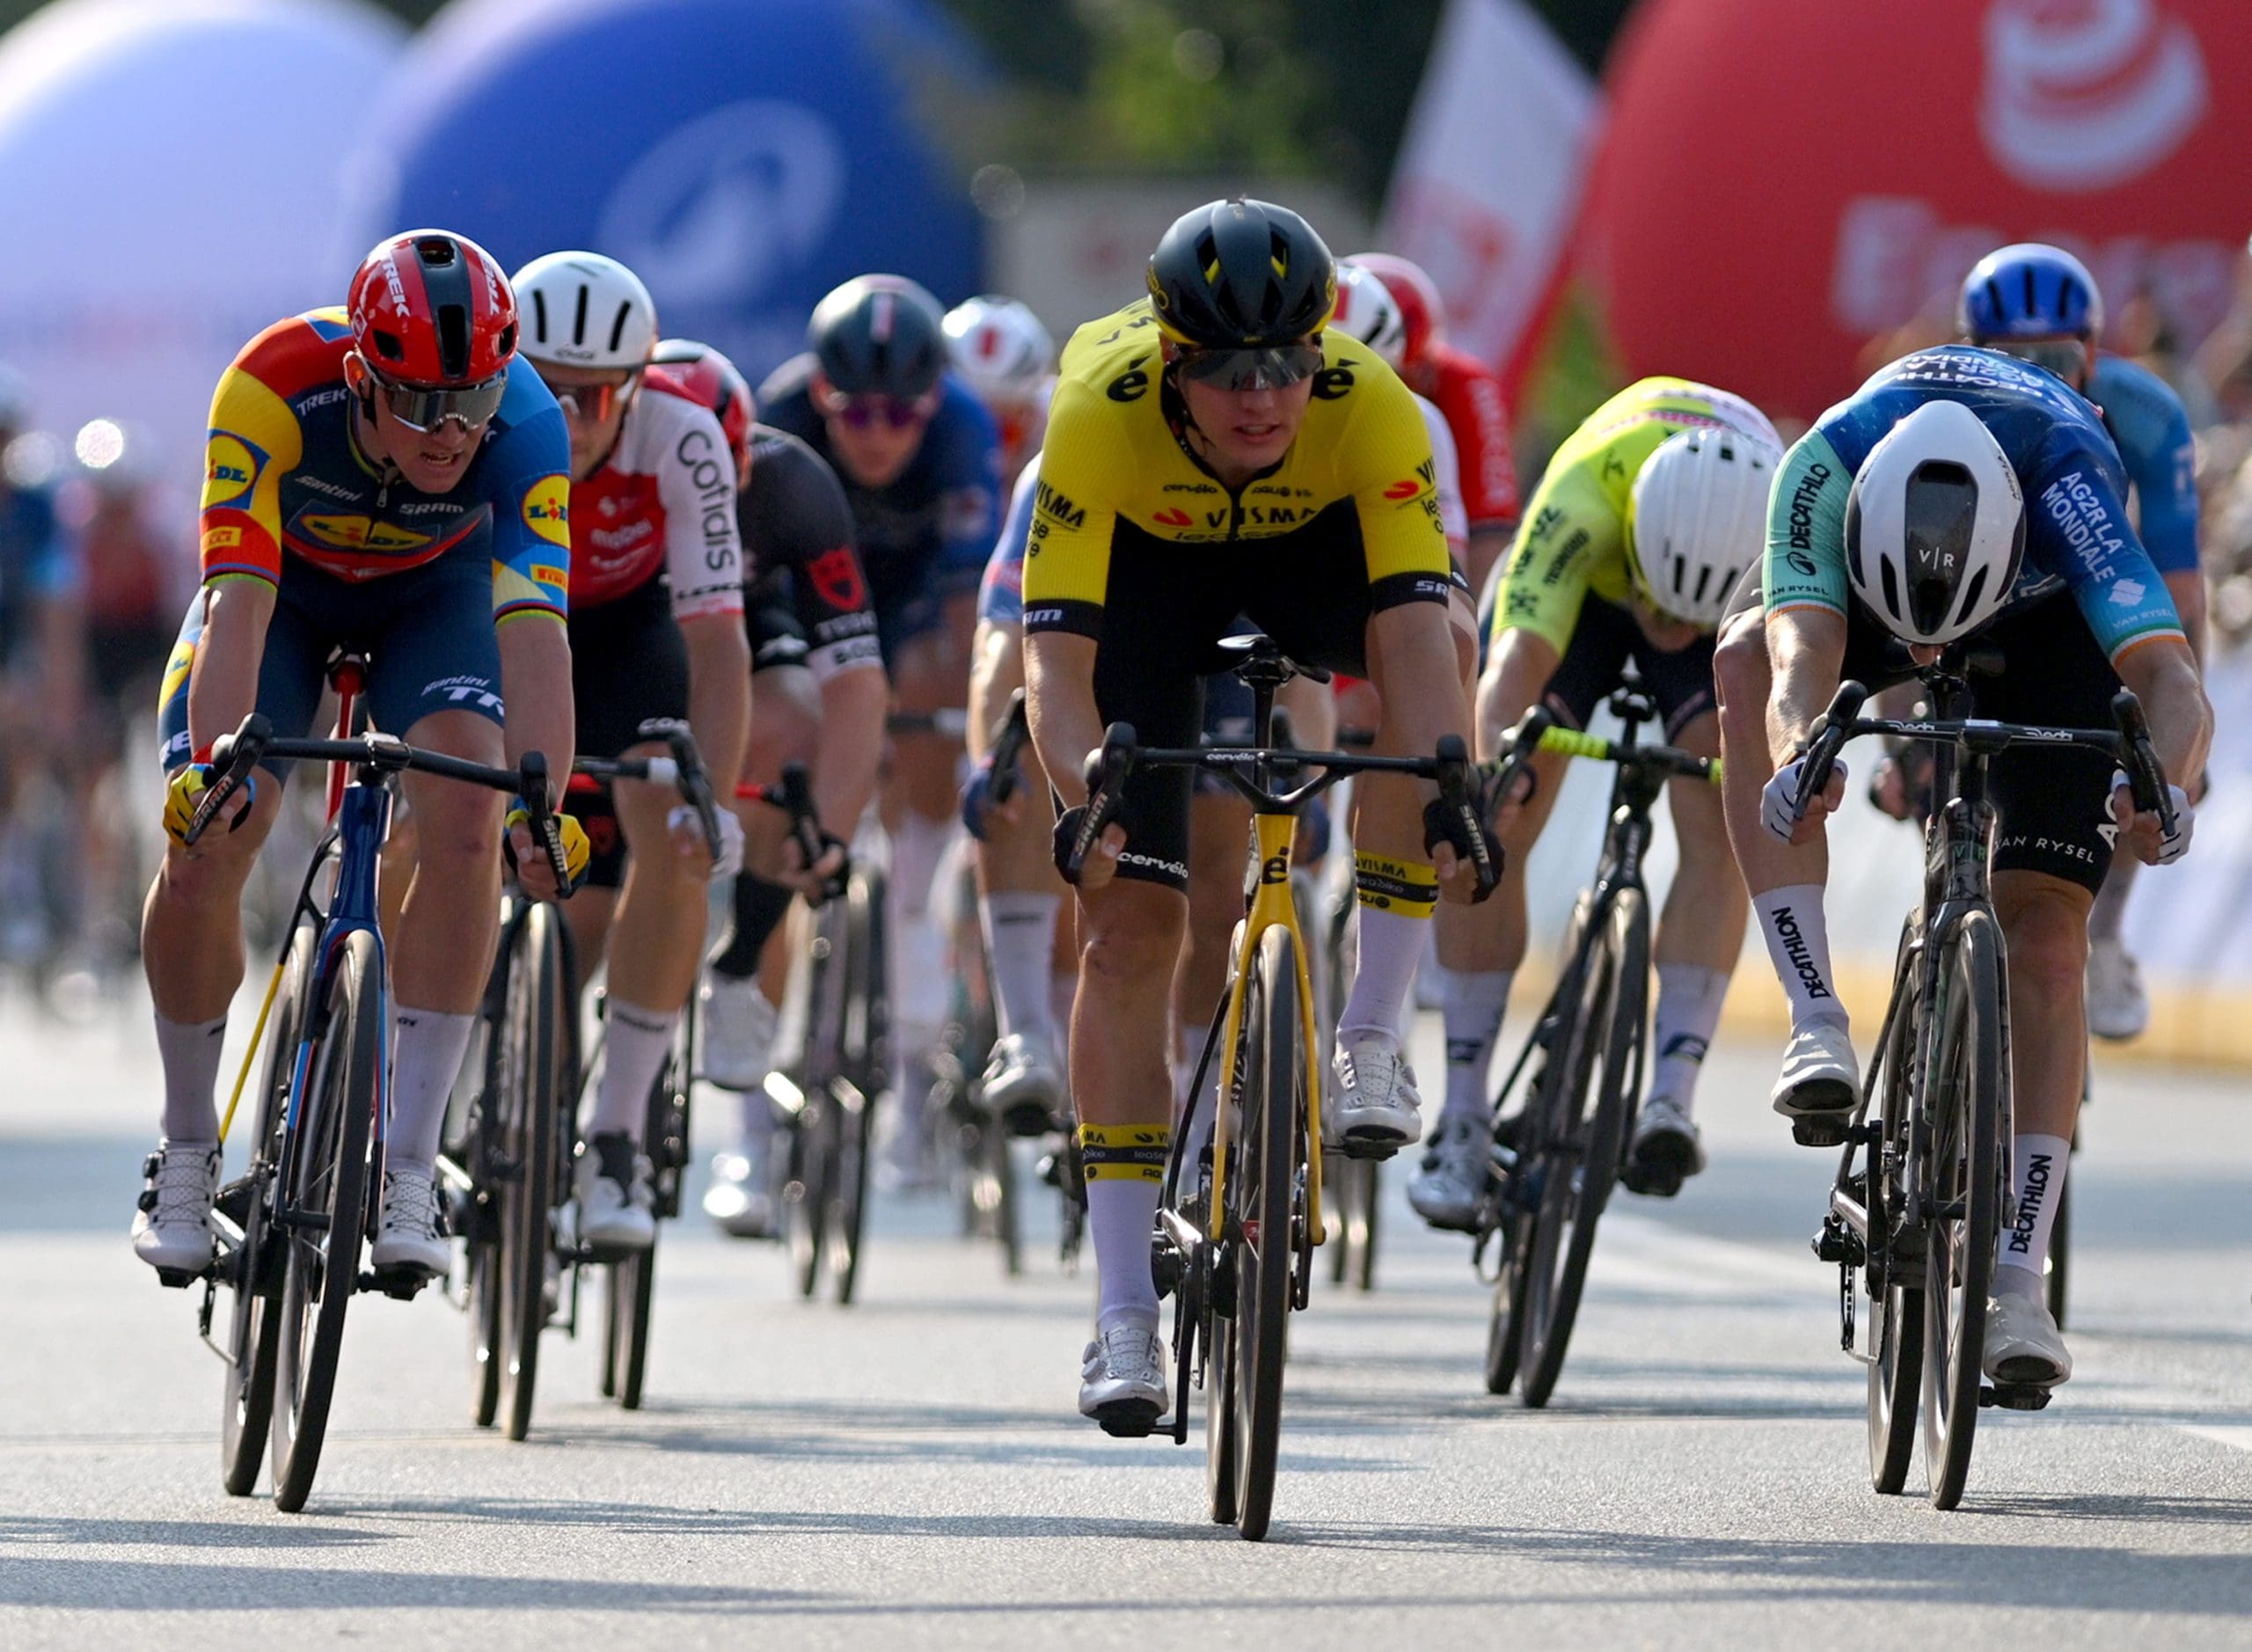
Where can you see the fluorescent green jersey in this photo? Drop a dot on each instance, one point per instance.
(1577, 535)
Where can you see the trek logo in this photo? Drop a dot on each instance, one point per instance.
(462, 691)
(1173, 518)
(2031, 1198)
(1801, 956)
(1053, 503)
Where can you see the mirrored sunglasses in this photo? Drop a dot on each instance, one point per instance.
(1268, 367)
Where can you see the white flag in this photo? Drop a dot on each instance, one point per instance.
(1489, 174)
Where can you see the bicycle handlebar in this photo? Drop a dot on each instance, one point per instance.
(793, 796)
(1010, 738)
(2127, 743)
(234, 756)
(683, 771)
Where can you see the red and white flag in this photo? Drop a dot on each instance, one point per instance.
(1488, 178)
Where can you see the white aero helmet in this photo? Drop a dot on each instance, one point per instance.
(583, 309)
(1367, 310)
(1935, 526)
(1698, 518)
(1000, 350)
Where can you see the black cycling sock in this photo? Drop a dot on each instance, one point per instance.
(760, 907)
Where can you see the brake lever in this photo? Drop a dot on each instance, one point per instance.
(1826, 739)
(232, 757)
(1108, 768)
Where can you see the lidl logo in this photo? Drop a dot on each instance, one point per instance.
(547, 509)
(361, 533)
(230, 469)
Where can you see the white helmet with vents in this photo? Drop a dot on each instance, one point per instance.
(1935, 526)
(583, 309)
(1699, 519)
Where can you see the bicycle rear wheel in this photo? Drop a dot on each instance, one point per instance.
(1585, 1138)
(1265, 1167)
(254, 1330)
(1964, 1096)
(1891, 1292)
(534, 1105)
(866, 1051)
(324, 1189)
(631, 1293)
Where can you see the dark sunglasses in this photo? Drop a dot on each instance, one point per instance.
(425, 408)
(2066, 358)
(591, 404)
(1268, 367)
(861, 410)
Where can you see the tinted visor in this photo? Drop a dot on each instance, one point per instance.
(1267, 369)
(1942, 510)
(2066, 358)
(427, 406)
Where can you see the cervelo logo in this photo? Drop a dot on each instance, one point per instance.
(715, 210)
(2084, 94)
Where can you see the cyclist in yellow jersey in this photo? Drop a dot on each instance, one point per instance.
(1213, 453)
(1648, 514)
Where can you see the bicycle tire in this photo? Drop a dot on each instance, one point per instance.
(867, 1058)
(629, 1297)
(809, 1194)
(1594, 1112)
(1893, 1303)
(333, 1147)
(254, 1332)
(534, 1124)
(1007, 1231)
(1264, 1179)
(1964, 1100)
(2060, 1253)
(481, 1243)
(806, 1199)
(1504, 1333)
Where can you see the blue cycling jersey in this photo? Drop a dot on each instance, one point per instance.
(939, 514)
(1000, 593)
(2152, 433)
(36, 564)
(2078, 536)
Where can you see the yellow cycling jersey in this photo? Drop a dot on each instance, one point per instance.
(1577, 535)
(1117, 468)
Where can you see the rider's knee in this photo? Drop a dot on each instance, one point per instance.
(457, 827)
(2044, 921)
(784, 720)
(1135, 943)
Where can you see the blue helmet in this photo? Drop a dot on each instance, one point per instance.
(2029, 291)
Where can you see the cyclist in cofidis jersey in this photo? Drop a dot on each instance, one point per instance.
(377, 477)
(2039, 304)
(819, 698)
(1960, 493)
(1003, 352)
(1647, 517)
(656, 631)
(1214, 453)
(920, 461)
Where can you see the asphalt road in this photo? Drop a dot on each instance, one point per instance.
(910, 1471)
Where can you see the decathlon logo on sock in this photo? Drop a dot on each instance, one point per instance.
(2030, 1202)
(1796, 949)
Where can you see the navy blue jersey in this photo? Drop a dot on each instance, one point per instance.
(2077, 538)
(940, 513)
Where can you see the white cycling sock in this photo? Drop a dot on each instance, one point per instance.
(2038, 1177)
(190, 1053)
(1689, 999)
(916, 847)
(1392, 944)
(1020, 941)
(1475, 1002)
(2108, 916)
(426, 1048)
(754, 1122)
(635, 1044)
(1125, 1172)
(1798, 941)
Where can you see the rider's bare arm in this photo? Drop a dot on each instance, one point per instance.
(222, 683)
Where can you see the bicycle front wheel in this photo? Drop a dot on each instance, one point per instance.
(254, 1331)
(1891, 1289)
(1265, 1171)
(633, 1283)
(324, 1196)
(867, 1052)
(1583, 1136)
(1966, 1101)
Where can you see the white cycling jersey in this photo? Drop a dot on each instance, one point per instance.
(662, 503)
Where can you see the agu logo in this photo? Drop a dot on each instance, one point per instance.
(230, 469)
(547, 509)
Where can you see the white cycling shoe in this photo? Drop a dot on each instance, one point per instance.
(1665, 1150)
(171, 1226)
(2024, 1349)
(1023, 1086)
(411, 1235)
(1371, 1110)
(1448, 1189)
(1819, 1085)
(738, 1031)
(610, 1187)
(741, 1199)
(2117, 1008)
(1121, 1380)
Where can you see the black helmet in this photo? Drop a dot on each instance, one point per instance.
(1241, 274)
(879, 334)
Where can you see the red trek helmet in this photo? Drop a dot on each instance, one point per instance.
(1417, 296)
(711, 378)
(433, 308)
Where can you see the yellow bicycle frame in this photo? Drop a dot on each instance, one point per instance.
(1271, 906)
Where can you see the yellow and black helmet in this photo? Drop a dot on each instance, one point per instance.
(1238, 274)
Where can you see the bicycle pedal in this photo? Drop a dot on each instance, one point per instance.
(400, 1284)
(2014, 1396)
(1369, 1149)
(1821, 1130)
(1127, 1419)
(179, 1278)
